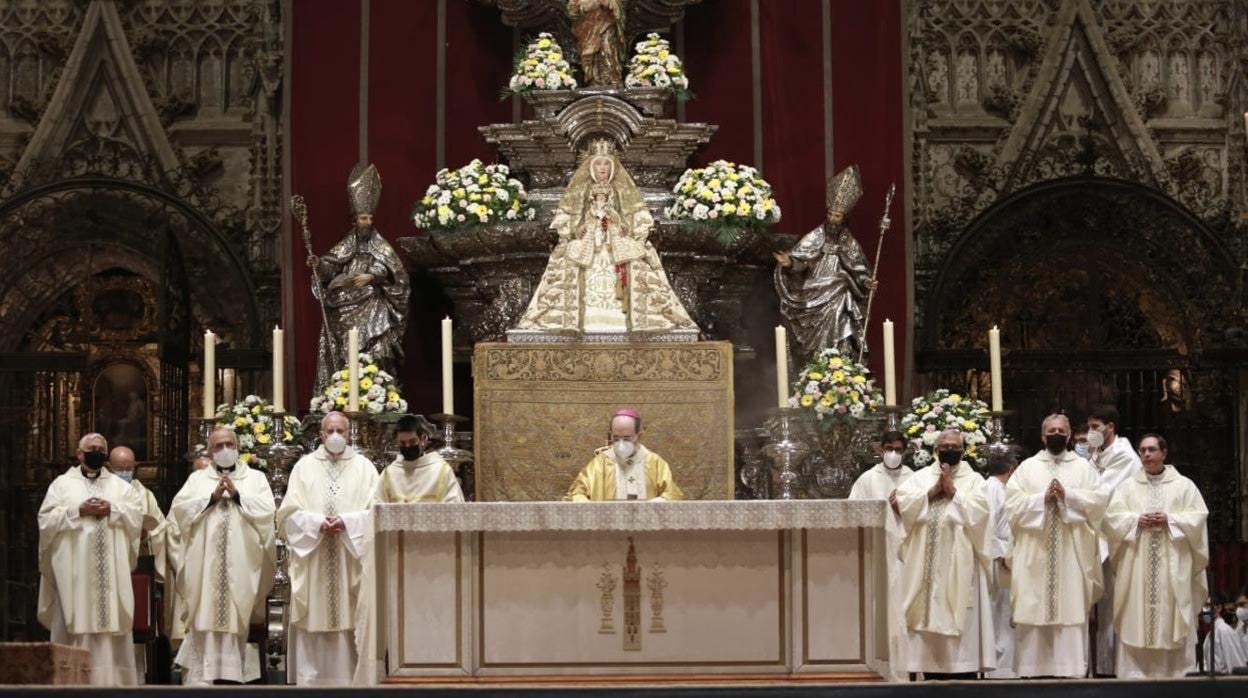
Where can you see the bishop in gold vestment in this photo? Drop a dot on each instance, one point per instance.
(625, 470)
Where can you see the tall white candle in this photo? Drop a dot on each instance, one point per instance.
(994, 363)
(228, 376)
(890, 366)
(448, 377)
(210, 375)
(353, 370)
(279, 365)
(782, 367)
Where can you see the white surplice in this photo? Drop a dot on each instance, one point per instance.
(229, 557)
(1054, 562)
(1160, 573)
(878, 483)
(999, 585)
(86, 598)
(1114, 464)
(326, 568)
(1228, 652)
(944, 582)
(427, 479)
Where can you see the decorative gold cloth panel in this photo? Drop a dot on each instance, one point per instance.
(542, 409)
(773, 515)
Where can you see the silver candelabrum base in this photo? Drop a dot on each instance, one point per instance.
(787, 451)
(460, 460)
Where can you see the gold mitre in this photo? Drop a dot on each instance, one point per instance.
(364, 189)
(844, 190)
(599, 146)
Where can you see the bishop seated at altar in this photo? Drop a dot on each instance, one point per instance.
(625, 469)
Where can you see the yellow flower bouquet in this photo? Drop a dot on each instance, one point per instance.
(939, 410)
(379, 392)
(724, 196)
(255, 428)
(541, 66)
(835, 389)
(656, 66)
(471, 196)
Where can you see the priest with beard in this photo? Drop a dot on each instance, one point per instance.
(326, 518)
(881, 482)
(89, 526)
(945, 553)
(625, 469)
(1055, 506)
(224, 514)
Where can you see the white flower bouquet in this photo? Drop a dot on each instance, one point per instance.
(379, 392)
(255, 428)
(724, 196)
(939, 410)
(471, 196)
(835, 389)
(655, 66)
(541, 66)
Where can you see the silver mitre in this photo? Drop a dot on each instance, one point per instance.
(844, 190)
(364, 189)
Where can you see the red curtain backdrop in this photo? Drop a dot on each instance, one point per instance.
(401, 112)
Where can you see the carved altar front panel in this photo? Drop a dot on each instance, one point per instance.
(541, 410)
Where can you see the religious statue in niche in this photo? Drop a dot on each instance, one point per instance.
(823, 282)
(604, 277)
(360, 283)
(598, 26)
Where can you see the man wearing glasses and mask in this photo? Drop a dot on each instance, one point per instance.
(625, 469)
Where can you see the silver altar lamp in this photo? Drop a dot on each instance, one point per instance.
(787, 452)
(998, 440)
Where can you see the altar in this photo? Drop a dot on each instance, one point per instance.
(764, 588)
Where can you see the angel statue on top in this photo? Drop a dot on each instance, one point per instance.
(604, 277)
(824, 280)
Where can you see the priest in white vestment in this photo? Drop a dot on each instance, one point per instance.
(326, 517)
(1001, 465)
(1222, 645)
(89, 526)
(417, 475)
(225, 516)
(1159, 548)
(1055, 507)
(626, 469)
(944, 583)
(881, 482)
(1115, 462)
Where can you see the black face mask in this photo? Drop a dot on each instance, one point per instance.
(950, 457)
(94, 459)
(412, 452)
(1056, 443)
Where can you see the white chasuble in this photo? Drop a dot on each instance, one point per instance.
(944, 583)
(86, 597)
(426, 479)
(878, 483)
(1055, 566)
(326, 568)
(1160, 573)
(229, 557)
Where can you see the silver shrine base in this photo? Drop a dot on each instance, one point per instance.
(572, 336)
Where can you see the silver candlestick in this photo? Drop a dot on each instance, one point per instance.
(787, 451)
(461, 461)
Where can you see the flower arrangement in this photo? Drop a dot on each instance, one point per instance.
(379, 392)
(473, 195)
(940, 410)
(836, 389)
(541, 66)
(654, 65)
(724, 196)
(255, 427)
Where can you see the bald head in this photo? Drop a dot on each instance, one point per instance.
(121, 460)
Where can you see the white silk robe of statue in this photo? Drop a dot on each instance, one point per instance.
(999, 585)
(229, 559)
(326, 568)
(1055, 566)
(86, 598)
(878, 483)
(1160, 573)
(944, 583)
(1114, 463)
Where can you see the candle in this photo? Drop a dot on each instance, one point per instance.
(279, 361)
(353, 369)
(448, 378)
(210, 375)
(994, 362)
(227, 386)
(890, 368)
(782, 367)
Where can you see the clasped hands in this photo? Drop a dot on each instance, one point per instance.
(1154, 519)
(225, 490)
(1055, 494)
(333, 524)
(944, 485)
(95, 507)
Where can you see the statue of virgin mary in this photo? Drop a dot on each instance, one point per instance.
(604, 276)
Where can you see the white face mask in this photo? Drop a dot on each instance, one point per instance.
(1242, 614)
(225, 458)
(125, 475)
(1082, 450)
(1096, 438)
(335, 443)
(892, 460)
(624, 449)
